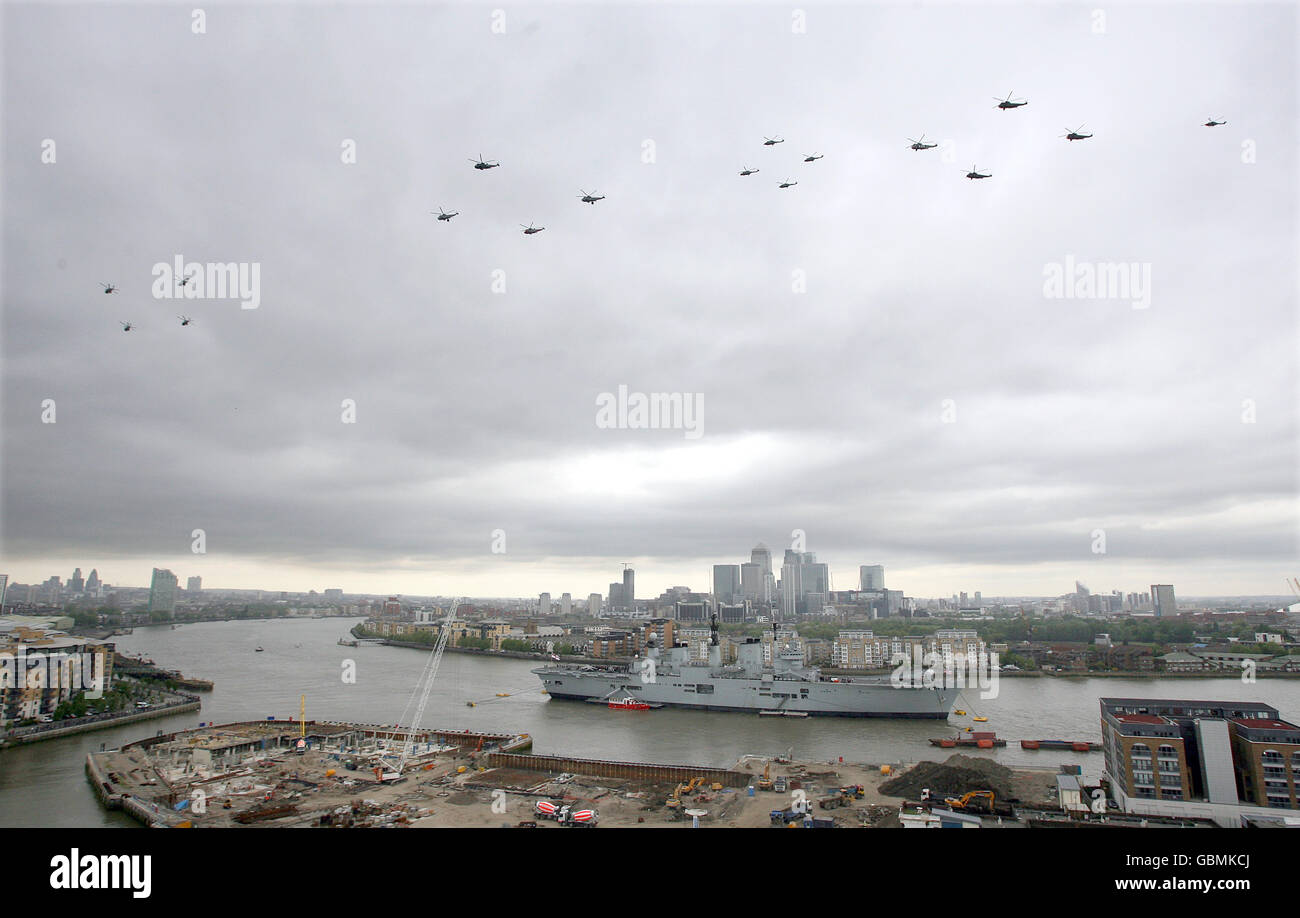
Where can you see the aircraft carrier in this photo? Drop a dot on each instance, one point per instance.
(786, 686)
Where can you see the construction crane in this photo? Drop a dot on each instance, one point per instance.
(395, 760)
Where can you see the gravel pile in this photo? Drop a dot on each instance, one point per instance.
(959, 775)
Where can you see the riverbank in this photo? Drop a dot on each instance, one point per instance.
(73, 725)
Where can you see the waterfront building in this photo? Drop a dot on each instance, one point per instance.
(41, 669)
(1222, 760)
(195, 585)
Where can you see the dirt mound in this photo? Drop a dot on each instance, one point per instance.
(959, 775)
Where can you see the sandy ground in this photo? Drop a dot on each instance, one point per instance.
(441, 796)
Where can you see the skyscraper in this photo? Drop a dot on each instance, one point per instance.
(566, 604)
(629, 589)
(4, 585)
(76, 584)
(92, 582)
(544, 604)
(800, 576)
(726, 583)
(162, 591)
(593, 605)
(763, 558)
(871, 578)
(194, 585)
(753, 584)
(1162, 597)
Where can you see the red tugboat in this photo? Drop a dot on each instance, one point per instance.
(628, 704)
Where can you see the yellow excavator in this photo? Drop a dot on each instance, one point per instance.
(765, 782)
(963, 802)
(675, 800)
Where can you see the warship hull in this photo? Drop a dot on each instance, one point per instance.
(707, 691)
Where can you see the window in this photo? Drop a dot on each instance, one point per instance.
(704, 689)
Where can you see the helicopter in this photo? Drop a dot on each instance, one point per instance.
(749, 171)
(813, 157)
(126, 326)
(1213, 123)
(786, 184)
(185, 320)
(480, 163)
(443, 215)
(921, 144)
(771, 141)
(975, 173)
(1007, 103)
(186, 279)
(109, 288)
(530, 229)
(590, 198)
(1075, 135)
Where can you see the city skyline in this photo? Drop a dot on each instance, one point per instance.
(377, 584)
(904, 364)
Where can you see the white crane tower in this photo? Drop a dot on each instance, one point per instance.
(394, 761)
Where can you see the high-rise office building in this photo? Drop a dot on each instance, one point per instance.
(871, 578)
(629, 589)
(77, 583)
(615, 597)
(566, 604)
(4, 586)
(763, 558)
(593, 605)
(544, 604)
(162, 591)
(194, 585)
(92, 582)
(1162, 596)
(801, 575)
(726, 583)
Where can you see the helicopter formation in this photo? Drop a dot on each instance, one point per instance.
(128, 326)
(483, 165)
(917, 144)
(773, 141)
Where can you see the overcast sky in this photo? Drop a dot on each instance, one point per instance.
(878, 362)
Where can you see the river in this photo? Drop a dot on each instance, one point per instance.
(43, 784)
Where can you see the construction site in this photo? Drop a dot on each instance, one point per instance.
(287, 773)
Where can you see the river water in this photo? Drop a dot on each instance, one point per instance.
(43, 784)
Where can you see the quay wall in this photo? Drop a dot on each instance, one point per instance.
(640, 771)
